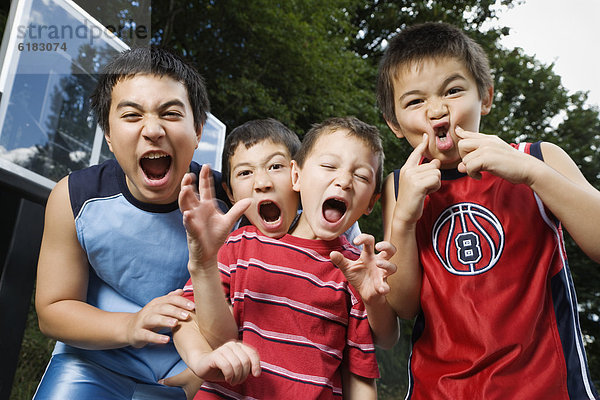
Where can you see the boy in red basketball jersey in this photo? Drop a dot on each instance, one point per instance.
(478, 225)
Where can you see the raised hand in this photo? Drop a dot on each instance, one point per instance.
(481, 152)
(206, 226)
(369, 272)
(160, 313)
(415, 182)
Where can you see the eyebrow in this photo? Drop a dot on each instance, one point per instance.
(128, 103)
(453, 77)
(267, 158)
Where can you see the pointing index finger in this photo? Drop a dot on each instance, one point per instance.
(417, 153)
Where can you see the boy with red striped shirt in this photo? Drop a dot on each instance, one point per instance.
(288, 299)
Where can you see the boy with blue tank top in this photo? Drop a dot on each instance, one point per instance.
(114, 249)
(478, 227)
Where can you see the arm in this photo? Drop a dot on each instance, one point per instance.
(368, 276)
(61, 292)
(400, 218)
(357, 387)
(215, 320)
(556, 180)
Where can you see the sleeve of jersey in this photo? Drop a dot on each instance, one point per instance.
(360, 350)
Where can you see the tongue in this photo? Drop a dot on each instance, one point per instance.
(444, 143)
(332, 214)
(155, 168)
(269, 212)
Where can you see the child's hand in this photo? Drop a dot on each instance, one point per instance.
(232, 362)
(206, 227)
(480, 152)
(415, 182)
(162, 312)
(369, 272)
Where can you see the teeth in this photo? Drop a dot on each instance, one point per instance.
(152, 156)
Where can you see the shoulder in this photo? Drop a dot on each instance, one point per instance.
(559, 160)
(100, 180)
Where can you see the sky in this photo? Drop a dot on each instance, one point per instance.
(566, 32)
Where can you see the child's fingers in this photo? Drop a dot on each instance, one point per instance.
(188, 179)
(188, 198)
(415, 157)
(339, 260)
(240, 364)
(387, 266)
(236, 211)
(383, 289)
(254, 359)
(386, 249)
(176, 292)
(367, 241)
(205, 185)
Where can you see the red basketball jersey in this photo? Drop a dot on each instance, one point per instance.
(498, 315)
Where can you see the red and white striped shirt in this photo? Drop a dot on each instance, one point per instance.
(296, 308)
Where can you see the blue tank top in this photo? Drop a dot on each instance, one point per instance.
(136, 252)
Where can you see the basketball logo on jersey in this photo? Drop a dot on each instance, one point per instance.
(468, 239)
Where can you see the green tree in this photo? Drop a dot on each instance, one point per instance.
(290, 59)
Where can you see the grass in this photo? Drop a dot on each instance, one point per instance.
(36, 350)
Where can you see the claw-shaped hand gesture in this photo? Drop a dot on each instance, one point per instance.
(206, 226)
(369, 272)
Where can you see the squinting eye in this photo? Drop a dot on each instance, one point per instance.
(362, 178)
(244, 173)
(454, 91)
(414, 102)
(276, 166)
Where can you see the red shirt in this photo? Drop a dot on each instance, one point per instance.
(297, 309)
(499, 315)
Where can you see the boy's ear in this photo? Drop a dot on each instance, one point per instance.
(228, 192)
(395, 128)
(486, 104)
(295, 176)
(372, 202)
(108, 142)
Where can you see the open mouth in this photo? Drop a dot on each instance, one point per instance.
(269, 211)
(442, 133)
(155, 165)
(334, 209)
